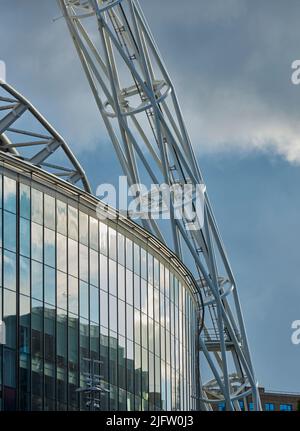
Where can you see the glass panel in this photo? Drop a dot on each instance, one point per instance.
(37, 280)
(121, 249)
(73, 257)
(121, 318)
(103, 309)
(94, 268)
(136, 259)
(73, 295)
(25, 201)
(144, 264)
(83, 228)
(49, 282)
(9, 195)
(94, 233)
(129, 287)
(25, 237)
(72, 222)
(62, 290)
(37, 242)
(94, 304)
(49, 205)
(37, 206)
(9, 279)
(103, 272)
(61, 252)
(121, 282)
(49, 247)
(113, 314)
(103, 237)
(112, 277)
(9, 317)
(9, 229)
(24, 341)
(129, 260)
(112, 237)
(61, 220)
(84, 262)
(84, 300)
(24, 275)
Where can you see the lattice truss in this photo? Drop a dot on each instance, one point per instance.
(139, 106)
(27, 135)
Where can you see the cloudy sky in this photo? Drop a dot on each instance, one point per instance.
(231, 64)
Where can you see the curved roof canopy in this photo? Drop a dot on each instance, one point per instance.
(27, 135)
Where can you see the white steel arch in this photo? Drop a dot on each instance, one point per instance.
(138, 103)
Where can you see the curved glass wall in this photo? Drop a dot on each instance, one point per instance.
(75, 288)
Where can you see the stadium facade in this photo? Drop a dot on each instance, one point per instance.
(74, 287)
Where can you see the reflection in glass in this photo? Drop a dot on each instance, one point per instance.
(61, 252)
(9, 317)
(94, 304)
(9, 225)
(49, 283)
(49, 247)
(73, 257)
(73, 223)
(37, 280)
(93, 233)
(36, 206)
(83, 228)
(61, 217)
(94, 268)
(9, 273)
(103, 237)
(84, 300)
(73, 294)
(24, 201)
(24, 275)
(24, 237)
(9, 194)
(83, 262)
(49, 205)
(62, 294)
(37, 242)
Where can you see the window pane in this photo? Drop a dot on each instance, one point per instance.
(83, 228)
(103, 272)
(49, 282)
(49, 247)
(129, 253)
(84, 262)
(103, 309)
(25, 201)
(112, 277)
(37, 242)
(37, 206)
(37, 280)
(84, 300)
(73, 295)
(9, 194)
(93, 233)
(72, 222)
(49, 205)
(9, 231)
(112, 237)
(9, 280)
(25, 237)
(113, 314)
(129, 287)
(62, 290)
(94, 304)
(73, 257)
(61, 252)
(121, 318)
(103, 237)
(121, 249)
(61, 221)
(24, 275)
(94, 268)
(121, 282)
(9, 317)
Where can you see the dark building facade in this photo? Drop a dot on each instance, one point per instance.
(74, 287)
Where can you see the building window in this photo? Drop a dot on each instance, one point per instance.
(286, 407)
(251, 407)
(269, 407)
